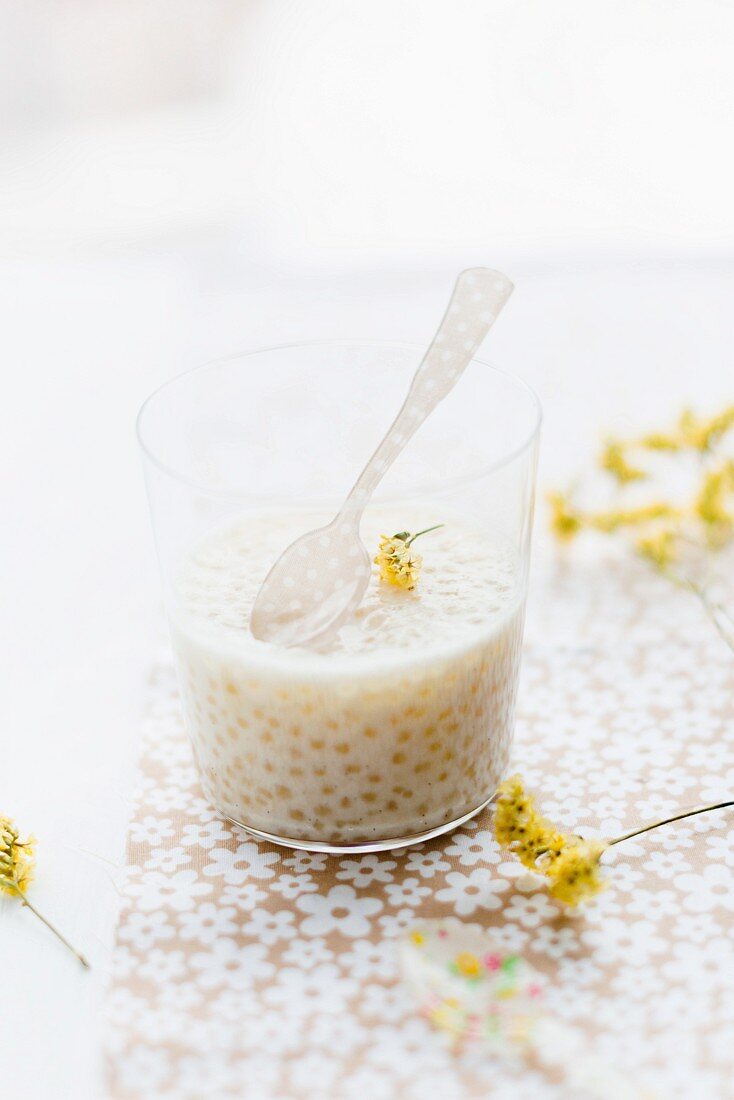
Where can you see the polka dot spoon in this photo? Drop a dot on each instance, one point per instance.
(319, 581)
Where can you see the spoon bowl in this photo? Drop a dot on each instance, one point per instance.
(325, 574)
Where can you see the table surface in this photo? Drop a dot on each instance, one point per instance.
(610, 346)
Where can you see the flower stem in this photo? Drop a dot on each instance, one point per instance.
(52, 928)
(669, 820)
(423, 532)
(717, 613)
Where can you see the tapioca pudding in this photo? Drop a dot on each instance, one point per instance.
(402, 725)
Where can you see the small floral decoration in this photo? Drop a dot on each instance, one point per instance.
(17, 864)
(677, 537)
(570, 863)
(17, 858)
(399, 564)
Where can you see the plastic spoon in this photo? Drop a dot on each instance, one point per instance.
(319, 581)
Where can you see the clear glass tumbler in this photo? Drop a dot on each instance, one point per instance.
(402, 728)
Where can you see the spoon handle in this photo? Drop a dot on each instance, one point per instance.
(478, 297)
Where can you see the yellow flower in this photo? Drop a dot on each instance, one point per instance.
(660, 549)
(417, 938)
(17, 859)
(691, 432)
(570, 863)
(614, 461)
(710, 502)
(399, 564)
(631, 517)
(660, 441)
(565, 524)
(519, 827)
(703, 434)
(575, 873)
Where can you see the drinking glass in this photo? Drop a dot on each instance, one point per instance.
(365, 747)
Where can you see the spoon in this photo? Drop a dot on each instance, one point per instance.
(319, 581)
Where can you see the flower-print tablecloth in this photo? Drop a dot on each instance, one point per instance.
(245, 970)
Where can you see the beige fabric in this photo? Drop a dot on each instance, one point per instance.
(245, 970)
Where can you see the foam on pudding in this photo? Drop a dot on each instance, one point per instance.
(402, 724)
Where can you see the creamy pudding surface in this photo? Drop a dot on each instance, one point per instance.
(403, 724)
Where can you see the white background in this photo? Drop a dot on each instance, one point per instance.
(182, 179)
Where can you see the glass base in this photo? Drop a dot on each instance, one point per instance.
(389, 844)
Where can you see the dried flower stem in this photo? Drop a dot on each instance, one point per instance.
(669, 820)
(52, 927)
(425, 531)
(717, 613)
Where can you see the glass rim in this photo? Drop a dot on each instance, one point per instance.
(448, 483)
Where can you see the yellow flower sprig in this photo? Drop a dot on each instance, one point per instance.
(662, 532)
(569, 862)
(690, 433)
(614, 460)
(17, 863)
(399, 564)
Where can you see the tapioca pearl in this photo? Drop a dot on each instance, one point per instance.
(319, 772)
(369, 731)
(317, 744)
(398, 758)
(303, 551)
(374, 778)
(343, 747)
(295, 605)
(232, 733)
(403, 736)
(312, 574)
(296, 772)
(368, 796)
(242, 723)
(345, 802)
(322, 811)
(268, 767)
(297, 815)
